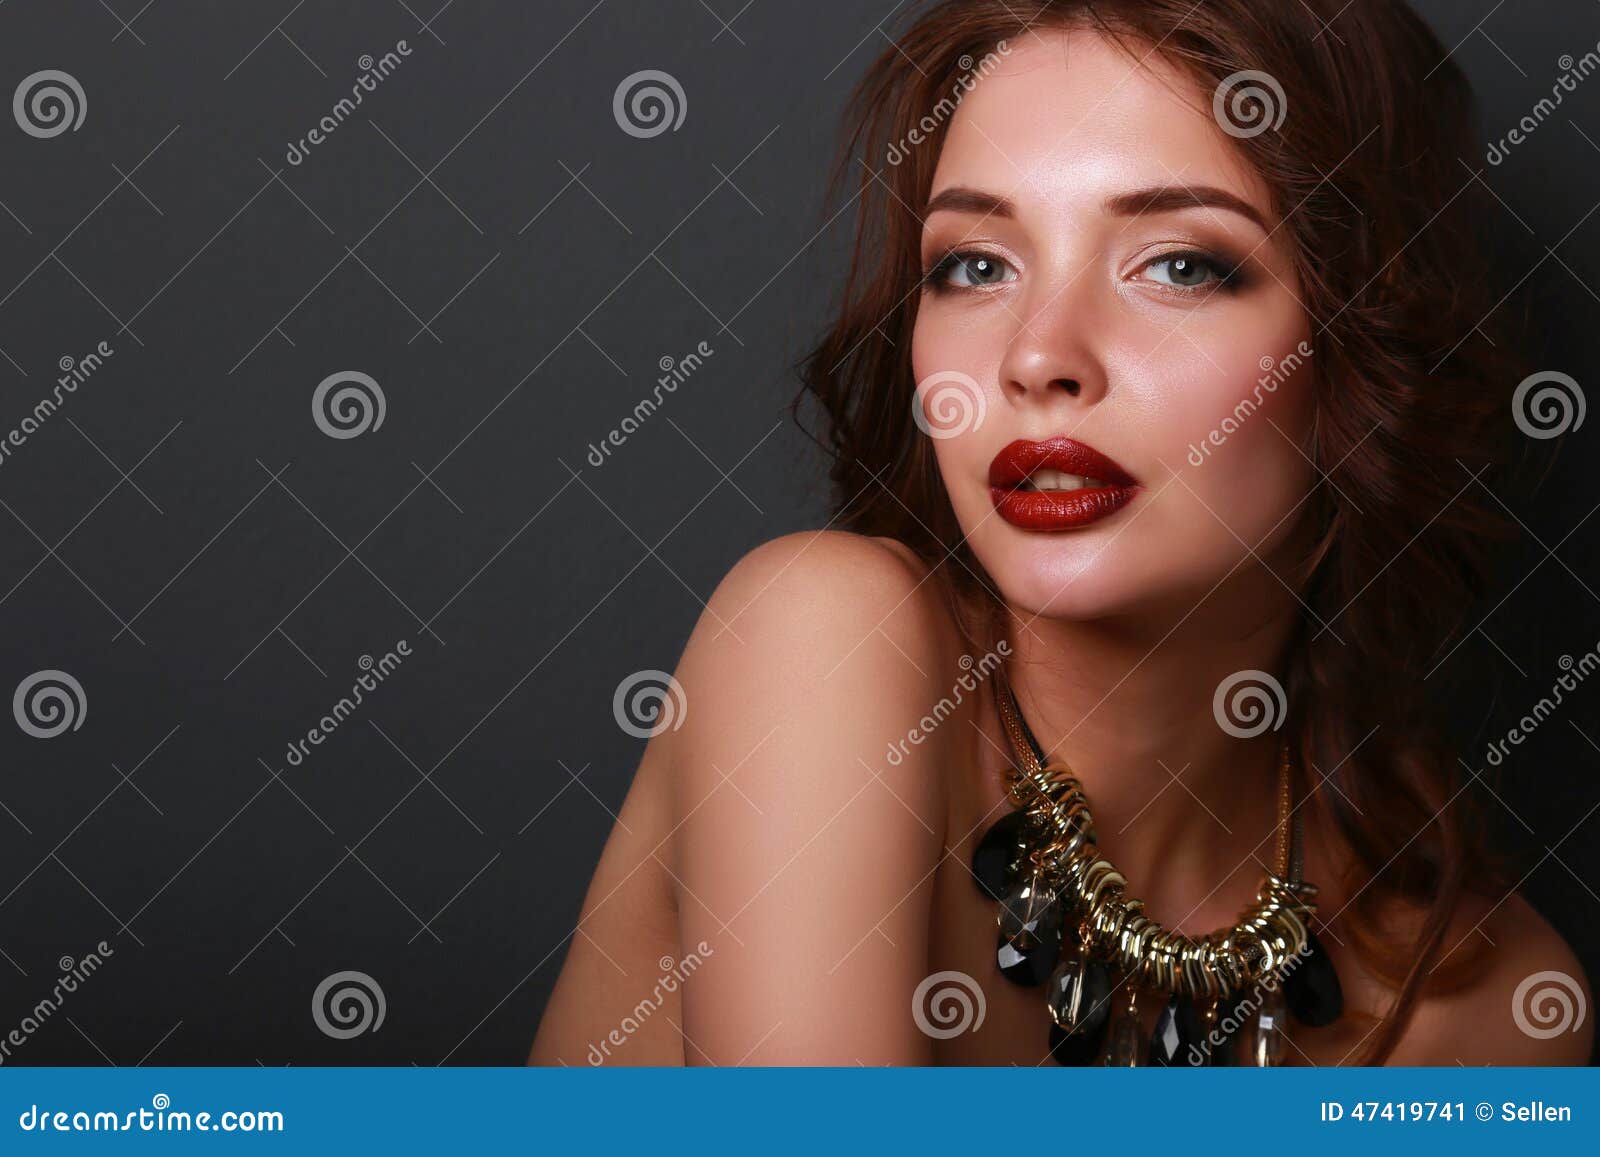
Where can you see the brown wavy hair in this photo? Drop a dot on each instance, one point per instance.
(1368, 174)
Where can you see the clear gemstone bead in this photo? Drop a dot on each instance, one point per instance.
(1267, 1043)
(1126, 1047)
(1029, 914)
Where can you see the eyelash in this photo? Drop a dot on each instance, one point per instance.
(935, 278)
(1227, 276)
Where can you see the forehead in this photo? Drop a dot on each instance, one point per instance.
(1069, 116)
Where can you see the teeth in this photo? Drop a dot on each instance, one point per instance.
(1059, 480)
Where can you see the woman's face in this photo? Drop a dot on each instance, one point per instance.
(1109, 348)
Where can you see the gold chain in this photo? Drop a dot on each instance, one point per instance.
(1066, 859)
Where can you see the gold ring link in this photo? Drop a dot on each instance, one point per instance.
(1113, 925)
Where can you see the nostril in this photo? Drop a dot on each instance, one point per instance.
(1071, 385)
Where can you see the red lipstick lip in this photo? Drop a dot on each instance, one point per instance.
(1022, 457)
(1057, 509)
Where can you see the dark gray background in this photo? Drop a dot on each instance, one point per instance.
(184, 541)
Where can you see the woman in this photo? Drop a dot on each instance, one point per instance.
(1158, 400)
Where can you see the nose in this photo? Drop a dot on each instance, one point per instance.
(1054, 353)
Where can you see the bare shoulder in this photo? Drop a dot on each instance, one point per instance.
(830, 576)
(1531, 1003)
(813, 612)
(820, 629)
(805, 857)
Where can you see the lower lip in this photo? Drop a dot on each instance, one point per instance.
(1060, 509)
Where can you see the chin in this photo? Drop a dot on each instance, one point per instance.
(1099, 573)
(1064, 576)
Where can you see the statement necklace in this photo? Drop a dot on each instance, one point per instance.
(1067, 922)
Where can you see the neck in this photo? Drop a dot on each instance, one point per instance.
(1180, 804)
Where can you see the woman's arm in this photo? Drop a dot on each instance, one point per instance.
(805, 857)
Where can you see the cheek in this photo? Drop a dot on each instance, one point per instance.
(956, 342)
(1244, 428)
(955, 361)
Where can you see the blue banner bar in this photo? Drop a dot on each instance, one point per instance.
(885, 1111)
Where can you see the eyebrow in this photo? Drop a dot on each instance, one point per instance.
(1136, 202)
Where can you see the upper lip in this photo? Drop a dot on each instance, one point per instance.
(1021, 458)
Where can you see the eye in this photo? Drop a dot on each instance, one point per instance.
(1193, 271)
(969, 271)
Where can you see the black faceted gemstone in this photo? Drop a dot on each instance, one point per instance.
(1079, 1047)
(1029, 967)
(1230, 1016)
(1079, 999)
(1312, 987)
(1029, 912)
(1179, 1038)
(1226, 1054)
(994, 861)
